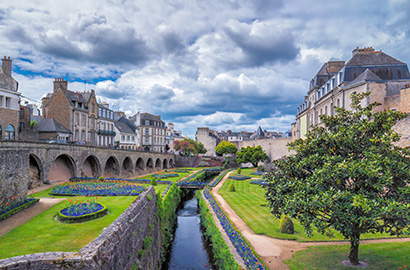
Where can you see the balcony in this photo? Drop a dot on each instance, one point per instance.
(105, 132)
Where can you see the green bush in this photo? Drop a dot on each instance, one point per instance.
(153, 181)
(101, 178)
(239, 171)
(286, 225)
(232, 188)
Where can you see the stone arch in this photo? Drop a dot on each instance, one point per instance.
(165, 164)
(62, 169)
(139, 165)
(111, 167)
(171, 163)
(127, 167)
(91, 167)
(36, 172)
(150, 165)
(158, 164)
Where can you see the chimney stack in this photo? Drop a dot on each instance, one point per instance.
(60, 82)
(6, 64)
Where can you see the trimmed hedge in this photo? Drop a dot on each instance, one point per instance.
(223, 258)
(17, 209)
(70, 219)
(239, 177)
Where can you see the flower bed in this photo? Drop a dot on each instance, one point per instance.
(219, 178)
(250, 259)
(257, 173)
(80, 212)
(260, 182)
(11, 208)
(239, 177)
(181, 170)
(165, 175)
(112, 188)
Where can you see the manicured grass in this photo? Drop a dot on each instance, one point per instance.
(247, 171)
(45, 234)
(250, 204)
(377, 256)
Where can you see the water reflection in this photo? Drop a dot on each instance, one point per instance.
(188, 249)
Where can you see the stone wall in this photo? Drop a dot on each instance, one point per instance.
(14, 165)
(120, 246)
(274, 148)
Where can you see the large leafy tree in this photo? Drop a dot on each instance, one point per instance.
(225, 147)
(184, 146)
(199, 147)
(346, 176)
(252, 154)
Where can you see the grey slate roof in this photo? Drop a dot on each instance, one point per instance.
(123, 127)
(7, 81)
(259, 134)
(148, 116)
(373, 59)
(367, 75)
(50, 125)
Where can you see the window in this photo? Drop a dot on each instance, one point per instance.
(92, 122)
(128, 138)
(123, 137)
(146, 141)
(92, 107)
(10, 132)
(338, 103)
(76, 135)
(133, 138)
(83, 135)
(82, 120)
(21, 113)
(8, 101)
(99, 112)
(325, 110)
(21, 126)
(146, 131)
(1, 101)
(76, 119)
(1, 133)
(147, 122)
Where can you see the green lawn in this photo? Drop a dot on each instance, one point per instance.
(43, 233)
(247, 171)
(377, 256)
(250, 204)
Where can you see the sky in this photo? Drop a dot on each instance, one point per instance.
(234, 64)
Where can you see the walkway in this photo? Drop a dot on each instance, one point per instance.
(273, 251)
(29, 213)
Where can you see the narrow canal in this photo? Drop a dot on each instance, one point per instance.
(189, 249)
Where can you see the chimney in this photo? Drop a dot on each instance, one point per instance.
(60, 82)
(6, 64)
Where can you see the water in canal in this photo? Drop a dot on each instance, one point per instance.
(189, 249)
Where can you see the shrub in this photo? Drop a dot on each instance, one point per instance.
(286, 225)
(153, 181)
(239, 171)
(239, 177)
(232, 188)
(101, 178)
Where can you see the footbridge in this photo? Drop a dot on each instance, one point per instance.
(45, 162)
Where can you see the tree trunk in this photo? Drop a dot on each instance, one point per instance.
(354, 250)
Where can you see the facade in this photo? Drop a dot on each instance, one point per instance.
(105, 126)
(152, 131)
(9, 102)
(76, 111)
(125, 137)
(171, 137)
(51, 130)
(367, 71)
(209, 138)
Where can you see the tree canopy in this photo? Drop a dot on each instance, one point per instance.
(347, 176)
(189, 146)
(225, 147)
(252, 154)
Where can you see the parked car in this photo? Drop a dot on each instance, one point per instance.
(57, 141)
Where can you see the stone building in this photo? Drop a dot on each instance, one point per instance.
(51, 130)
(9, 102)
(127, 134)
(172, 136)
(209, 138)
(105, 125)
(367, 71)
(152, 131)
(76, 111)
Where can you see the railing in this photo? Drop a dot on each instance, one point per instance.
(105, 132)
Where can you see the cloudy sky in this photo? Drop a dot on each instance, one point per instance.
(234, 64)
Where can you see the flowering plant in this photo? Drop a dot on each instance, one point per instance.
(112, 188)
(79, 211)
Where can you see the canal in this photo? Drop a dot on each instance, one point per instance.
(189, 248)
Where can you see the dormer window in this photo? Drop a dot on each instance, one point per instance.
(147, 122)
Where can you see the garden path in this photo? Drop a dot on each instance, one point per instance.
(273, 251)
